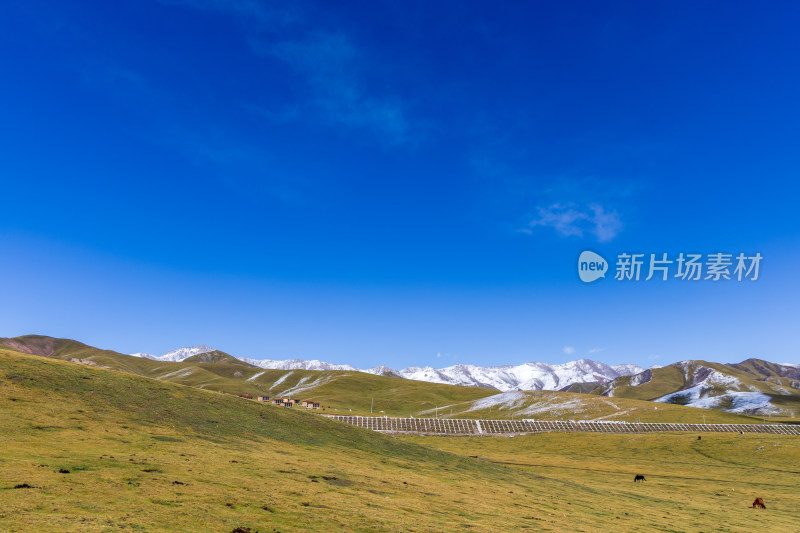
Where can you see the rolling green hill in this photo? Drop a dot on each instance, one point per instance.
(77, 352)
(216, 356)
(141, 454)
(338, 390)
(751, 387)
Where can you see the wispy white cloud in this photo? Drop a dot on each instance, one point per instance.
(569, 350)
(332, 65)
(329, 62)
(576, 220)
(595, 350)
(577, 207)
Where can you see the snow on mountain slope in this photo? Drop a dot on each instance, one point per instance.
(627, 369)
(304, 385)
(504, 400)
(290, 364)
(296, 364)
(382, 370)
(710, 386)
(731, 401)
(528, 376)
(177, 355)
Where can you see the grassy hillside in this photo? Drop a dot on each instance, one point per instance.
(766, 387)
(71, 350)
(152, 456)
(691, 485)
(216, 356)
(348, 391)
(764, 369)
(358, 391)
(145, 455)
(663, 381)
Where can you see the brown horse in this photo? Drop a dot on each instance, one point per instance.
(639, 477)
(759, 504)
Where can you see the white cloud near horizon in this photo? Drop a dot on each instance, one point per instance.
(569, 350)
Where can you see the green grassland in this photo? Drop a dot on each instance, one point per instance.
(692, 485)
(145, 455)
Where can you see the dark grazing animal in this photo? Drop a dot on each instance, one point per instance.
(759, 504)
(639, 477)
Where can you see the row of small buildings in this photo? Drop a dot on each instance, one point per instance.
(286, 402)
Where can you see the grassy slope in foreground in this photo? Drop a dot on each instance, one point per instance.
(692, 485)
(126, 440)
(152, 456)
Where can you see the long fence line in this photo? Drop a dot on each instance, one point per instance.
(462, 427)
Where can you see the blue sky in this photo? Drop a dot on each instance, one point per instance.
(401, 183)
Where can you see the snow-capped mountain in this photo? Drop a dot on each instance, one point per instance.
(628, 369)
(290, 364)
(177, 355)
(296, 364)
(383, 370)
(528, 376)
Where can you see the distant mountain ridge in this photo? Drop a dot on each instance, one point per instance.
(752, 387)
(296, 364)
(528, 376)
